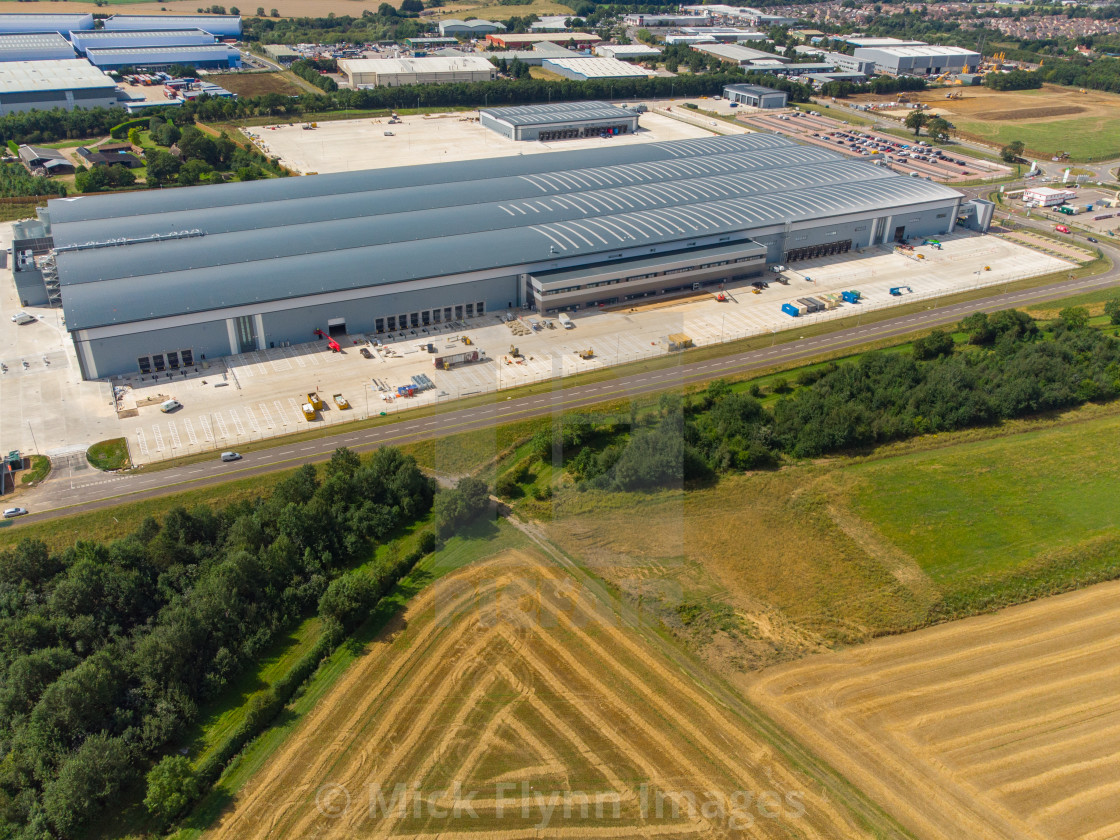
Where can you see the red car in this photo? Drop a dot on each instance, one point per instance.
(1061, 229)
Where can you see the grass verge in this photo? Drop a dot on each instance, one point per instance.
(109, 455)
(40, 468)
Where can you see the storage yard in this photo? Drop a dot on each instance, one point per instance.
(1002, 726)
(349, 145)
(257, 395)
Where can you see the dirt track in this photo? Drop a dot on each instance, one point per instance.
(507, 680)
(1004, 726)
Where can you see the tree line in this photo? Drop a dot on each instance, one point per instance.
(1009, 367)
(108, 649)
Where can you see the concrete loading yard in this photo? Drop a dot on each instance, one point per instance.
(258, 395)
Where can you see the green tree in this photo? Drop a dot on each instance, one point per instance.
(88, 779)
(1112, 310)
(915, 120)
(347, 601)
(162, 167)
(938, 128)
(172, 786)
(458, 507)
(1074, 317)
(1012, 151)
(935, 345)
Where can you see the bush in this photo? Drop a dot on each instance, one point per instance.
(938, 343)
(458, 507)
(172, 787)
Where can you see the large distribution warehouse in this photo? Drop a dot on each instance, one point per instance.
(41, 46)
(562, 121)
(129, 38)
(63, 23)
(224, 26)
(918, 61)
(213, 56)
(46, 85)
(151, 279)
(394, 72)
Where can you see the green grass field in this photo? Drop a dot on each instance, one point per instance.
(109, 454)
(1031, 510)
(1099, 140)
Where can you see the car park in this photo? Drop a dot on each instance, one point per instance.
(231, 456)
(12, 513)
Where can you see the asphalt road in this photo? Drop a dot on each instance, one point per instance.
(60, 495)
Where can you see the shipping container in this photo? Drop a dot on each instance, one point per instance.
(448, 362)
(851, 296)
(791, 309)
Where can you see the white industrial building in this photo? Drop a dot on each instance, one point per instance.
(851, 64)
(920, 61)
(657, 19)
(738, 54)
(860, 41)
(39, 46)
(1047, 196)
(224, 26)
(470, 28)
(726, 34)
(62, 23)
(395, 72)
(559, 121)
(627, 52)
(46, 85)
(582, 69)
(107, 39)
(690, 39)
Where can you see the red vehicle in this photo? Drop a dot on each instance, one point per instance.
(1061, 229)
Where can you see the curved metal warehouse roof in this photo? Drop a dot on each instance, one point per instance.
(557, 113)
(122, 280)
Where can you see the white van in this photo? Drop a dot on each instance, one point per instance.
(565, 321)
(168, 406)
(22, 318)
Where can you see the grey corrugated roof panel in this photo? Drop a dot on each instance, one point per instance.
(462, 194)
(253, 281)
(558, 113)
(757, 90)
(185, 50)
(15, 41)
(82, 208)
(435, 225)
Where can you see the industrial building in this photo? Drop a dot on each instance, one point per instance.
(105, 39)
(425, 44)
(281, 53)
(860, 41)
(738, 54)
(819, 80)
(212, 56)
(582, 69)
(850, 64)
(430, 70)
(657, 19)
(224, 26)
(920, 61)
(756, 96)
(550, 23)
(627, 52)
(527, 40)
(32, 23)
(38, 46)
(470, 28)
(536, 56)
(154, 280)
(561, 121)
(690, 39)
(43, 161)
(46, 85)
(726, 35)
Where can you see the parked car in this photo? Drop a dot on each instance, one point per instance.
(365, 353)
(167, 406)
(12, 513)
(231, 456)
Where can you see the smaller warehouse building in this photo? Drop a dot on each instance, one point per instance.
(426, 44)
(103, 39)
(528, 40)
(582, 69)
(850, 64)
(281, 53)
(212, 57)
(756, 96)
(920, 61)
(738, 54)
(627, 52)
(224, 26)
(559, 121)
(727, 35)
(46, 85)
(63, 24)
(430, 70)
(41, 46)
(470, 28)
(667, 20)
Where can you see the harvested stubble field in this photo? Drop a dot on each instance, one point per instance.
(1005, 726)
(509, 681)
(257, 84)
